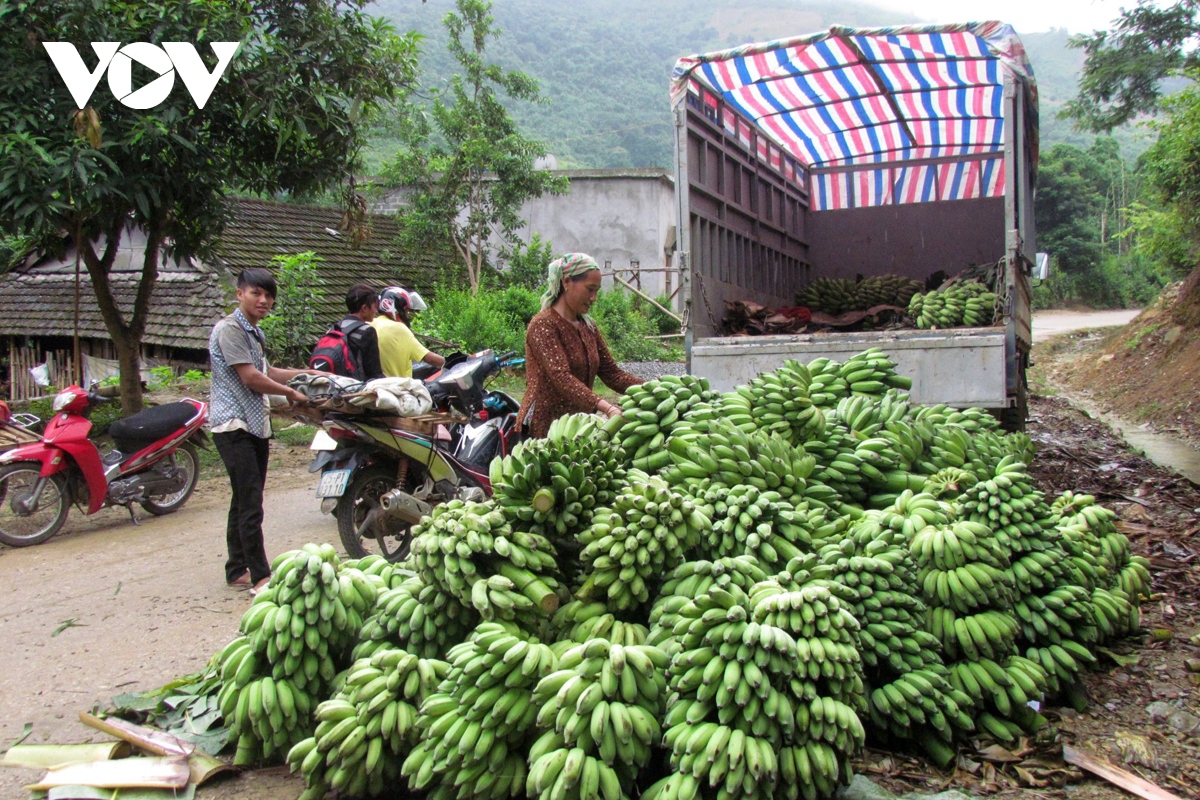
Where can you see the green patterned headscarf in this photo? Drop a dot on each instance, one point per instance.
(570, 265)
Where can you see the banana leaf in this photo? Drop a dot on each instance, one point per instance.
(149, 773)
(47, 756)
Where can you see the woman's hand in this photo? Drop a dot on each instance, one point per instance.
(608, 409)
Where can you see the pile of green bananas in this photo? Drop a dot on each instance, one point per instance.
(264, 715)
(423, 618)
(838, 295)
(471, 550)
(293, 634)
(747, 521)
(1005, 687)
(963, 303)
(647, 531)
(600, 713)
(650, 412)
(1097, 549)
(727, 455)
(871, 373)
(553, 486)
(473, 730)
(691, 580)
(366, 729)
(779, 403)
(580, 622)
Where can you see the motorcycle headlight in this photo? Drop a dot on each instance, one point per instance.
(63, 399)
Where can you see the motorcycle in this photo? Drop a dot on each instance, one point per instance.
(154, 463)
(382, 475)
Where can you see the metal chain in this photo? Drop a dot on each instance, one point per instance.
(707, 305)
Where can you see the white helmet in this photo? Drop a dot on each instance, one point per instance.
(395, 299)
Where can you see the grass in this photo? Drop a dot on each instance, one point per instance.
(296, 435)
(1136, 341)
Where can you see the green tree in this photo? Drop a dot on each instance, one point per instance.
(290, 330)
(466, 159)
(1125, 67)
(286, 117)
(1067, 208)
(527, 264)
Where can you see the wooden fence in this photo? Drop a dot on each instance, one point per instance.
(22, 359)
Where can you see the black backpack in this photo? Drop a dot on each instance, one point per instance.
(336, 353)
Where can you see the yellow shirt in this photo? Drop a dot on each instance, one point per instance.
(398, 348)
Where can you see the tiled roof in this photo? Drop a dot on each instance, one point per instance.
(188, 298)
(262, 230)
(182, 310)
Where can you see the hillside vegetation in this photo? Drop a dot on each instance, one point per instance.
(604, 66)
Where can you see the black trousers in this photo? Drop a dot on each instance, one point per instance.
(245, 457)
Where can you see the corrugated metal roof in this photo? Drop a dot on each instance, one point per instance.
(850, 98)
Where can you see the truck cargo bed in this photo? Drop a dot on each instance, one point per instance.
(959, 367)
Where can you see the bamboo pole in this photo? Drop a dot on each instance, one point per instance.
(649, 299)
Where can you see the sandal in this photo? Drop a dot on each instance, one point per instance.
(241, 581)
(258, 587)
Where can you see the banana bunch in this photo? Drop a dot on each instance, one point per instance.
(473, 729)
(648, 530)
(892, 290)
(1098, 551)
(891, 620)
(949, 482)
(552, 486)
(309, 615)
(650, 412)
(829, 295)
(826, 385)
(729, 683)
(1061, 663)
(600, 712)
(910, 512)
(693, 579)
(373, 564)
(580, 622)
(1062, 614)
(962, 303)
(836, 296)
(471, 550)
(1006, 502)
(1005, 686)
(264, 715)
(420, 617)
(727, 455)
(971, 420)
(1115, 615)
(926, 705)
(826, 637)
(746, 521)
(871, 373)
(781, 404)
(962, 567)
(577, 426)
(367, 728)
(837, 464)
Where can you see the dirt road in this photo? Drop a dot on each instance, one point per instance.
(148, 604)
(1052, 323)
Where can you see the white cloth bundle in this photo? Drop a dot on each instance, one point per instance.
(405, 397)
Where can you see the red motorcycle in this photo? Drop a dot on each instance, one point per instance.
(153, 462)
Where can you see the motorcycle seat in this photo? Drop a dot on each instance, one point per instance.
(147, 427)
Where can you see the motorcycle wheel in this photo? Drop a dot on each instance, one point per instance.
(18, 529)
(362, 495)
(187, 459)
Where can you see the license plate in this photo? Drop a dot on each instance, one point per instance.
(323, 441)
(333, 483)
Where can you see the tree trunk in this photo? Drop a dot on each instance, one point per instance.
(128, 351)
(126, 337)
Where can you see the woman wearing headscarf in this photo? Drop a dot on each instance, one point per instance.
(564, 353)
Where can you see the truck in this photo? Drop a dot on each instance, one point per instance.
(851, 153)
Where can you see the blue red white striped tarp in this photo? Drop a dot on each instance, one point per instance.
(857, 106)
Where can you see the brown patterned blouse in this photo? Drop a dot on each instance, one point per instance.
(562, 361)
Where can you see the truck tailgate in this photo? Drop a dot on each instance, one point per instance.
(959, 367)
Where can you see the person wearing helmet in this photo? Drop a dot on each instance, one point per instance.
(398, 347)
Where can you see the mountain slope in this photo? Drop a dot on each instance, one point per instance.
(604, 65)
